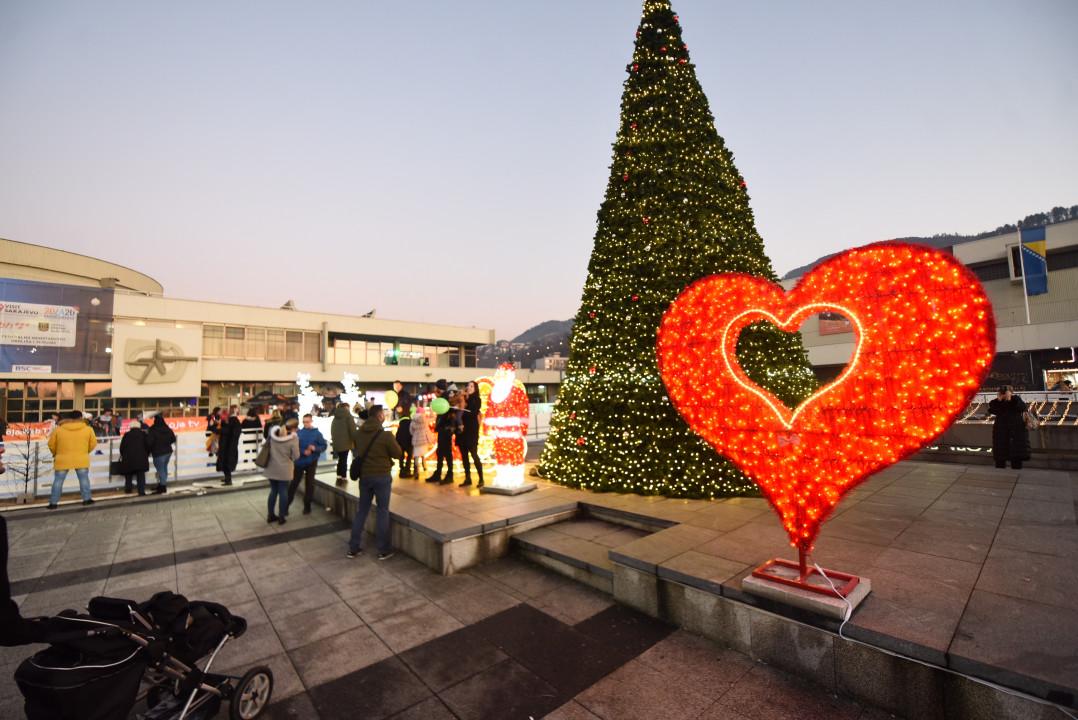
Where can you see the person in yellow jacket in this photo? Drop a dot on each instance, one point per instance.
(71, 444)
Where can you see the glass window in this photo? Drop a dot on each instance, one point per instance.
(275, 345)
(469, 357)
(235, 339)
(340, 352)
(294, 349)
(312, 346)
(374, 355)
(213, 340)
(98, 390)
(256, 344)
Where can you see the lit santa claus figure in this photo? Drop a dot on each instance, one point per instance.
(506, 422)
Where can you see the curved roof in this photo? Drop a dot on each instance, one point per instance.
(23, 261)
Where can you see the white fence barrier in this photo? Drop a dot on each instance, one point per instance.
(29, 464)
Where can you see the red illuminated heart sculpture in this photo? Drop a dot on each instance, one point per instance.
(924, 336)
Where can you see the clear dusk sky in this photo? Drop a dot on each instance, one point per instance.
(444, 161)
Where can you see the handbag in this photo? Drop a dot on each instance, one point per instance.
(116, 467)
(1031, 420)
(263, 456)
(357, 461)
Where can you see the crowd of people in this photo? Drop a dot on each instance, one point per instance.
(293, 446)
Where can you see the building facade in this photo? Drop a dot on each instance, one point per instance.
(81, 333)
(1033, 355)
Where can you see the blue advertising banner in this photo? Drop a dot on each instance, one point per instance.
(47, 328)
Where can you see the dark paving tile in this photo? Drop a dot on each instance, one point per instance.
(916, 617)
(429, 709)
(451, 658)
(768, 694)
(1040, 511)
(338, 655)
(562, 656)
(1031, 576)
(640, 692)
(572, 603)
(1019, 643)
(956, 573)
(698, 662)
(297, 707)
(1058, 540)
(626, 632)
(930, 538)
(506, 691)
(572, 710)
(378, 691)
(415, 626)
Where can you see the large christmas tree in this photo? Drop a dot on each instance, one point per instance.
(676, 209)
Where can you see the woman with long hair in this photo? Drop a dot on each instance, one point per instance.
(468, 442)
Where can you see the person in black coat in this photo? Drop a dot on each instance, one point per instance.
(162, 438)
(135, 456)
(447, 426)
(404, 439)
(1010, 437)
(228, 450)
(468, 442)
(251, 421)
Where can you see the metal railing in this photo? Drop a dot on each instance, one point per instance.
(29, 464)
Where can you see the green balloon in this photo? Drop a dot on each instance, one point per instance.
(440, 406)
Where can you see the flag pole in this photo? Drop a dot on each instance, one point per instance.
(1022, 264)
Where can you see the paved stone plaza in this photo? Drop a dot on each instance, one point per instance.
(968, 564)
(368, 639)
(972, 567)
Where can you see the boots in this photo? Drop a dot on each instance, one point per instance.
(447, 480)
(467, 479)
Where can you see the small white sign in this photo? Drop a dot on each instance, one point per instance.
(42, 369)
(41, 325)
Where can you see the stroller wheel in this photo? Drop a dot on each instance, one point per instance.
(252, 695)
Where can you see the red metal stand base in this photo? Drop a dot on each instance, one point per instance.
(778, 570)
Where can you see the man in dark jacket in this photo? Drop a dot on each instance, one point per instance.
(376, 450)
(342, 432)
(1010, 436)
(228, 450)
(135, 456)
(162, 438)
(311, 447)
(404, 400)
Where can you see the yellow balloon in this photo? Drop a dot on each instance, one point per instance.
(391, 399)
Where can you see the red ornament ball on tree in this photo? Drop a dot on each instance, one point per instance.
(580, 441)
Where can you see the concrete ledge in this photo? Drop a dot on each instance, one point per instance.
(444, 542)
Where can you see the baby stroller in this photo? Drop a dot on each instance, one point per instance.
(99, 665)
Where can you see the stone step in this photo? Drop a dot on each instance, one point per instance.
(578, 548)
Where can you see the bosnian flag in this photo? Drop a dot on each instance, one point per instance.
(1034, 260)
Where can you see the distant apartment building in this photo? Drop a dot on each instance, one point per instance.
(557, 362)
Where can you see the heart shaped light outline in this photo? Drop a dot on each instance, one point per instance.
(781, 410)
